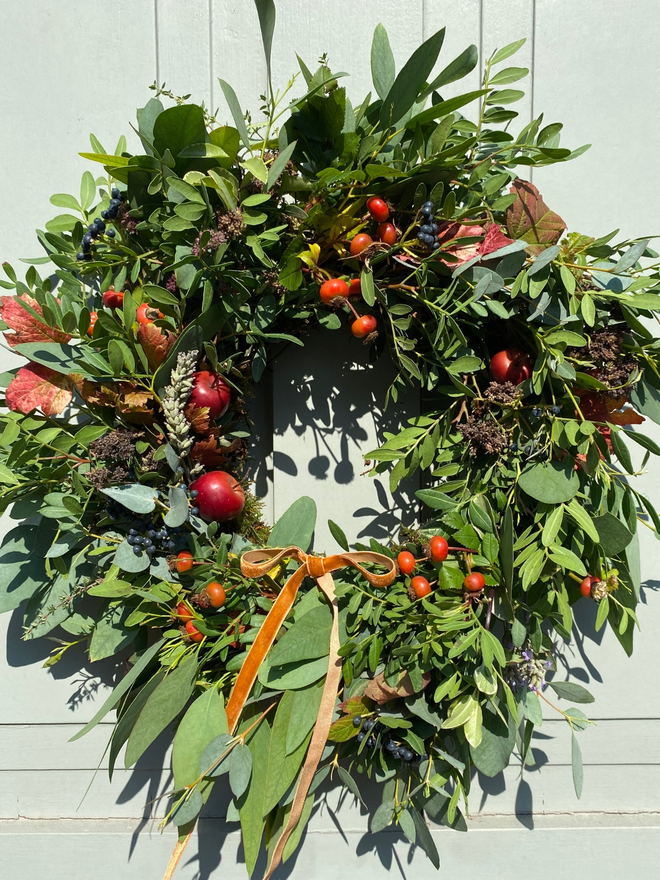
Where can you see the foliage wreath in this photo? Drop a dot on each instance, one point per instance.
(128, 426)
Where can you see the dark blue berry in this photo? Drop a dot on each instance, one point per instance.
(99, 225)
(434, 228)
(80, 256)
(133, 532)
(435, 245)
(151, 551)
(536, 412)
(371, 742)
(137, 551)
(357, 721)
(406, 754)
(421, 236)
(514, 447)
(164, 532)
(92, 231)
(194, 511)
(115, 193)
(152, 533)
(194, 493)
(87, 238)
(104, 214)
(131, 540)
(183, 486)
(528, 450)
(147, 542)
(360, 737)
(139, 539)
(111, 213)
(428, 207)
(171, 545)
(426, 229)
(555, 410)
(85, 248)
(391, 746)
(115, 203)
(368, 724)
(110, 233)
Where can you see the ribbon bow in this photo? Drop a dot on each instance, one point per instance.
(257, 563)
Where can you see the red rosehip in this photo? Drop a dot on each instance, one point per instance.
(406, 562)
(420, 586)
(439, 548)
(147, 314)
(474, 582)
(93, 318)
(360, 243)
(210, 389)
(387, 233)
(216, 593)
(220, 497)
(585, 586)
(183, 612)
(510, 365)
(184, 561)
(378, 209)
(363, 326)
(193, 632)
(355, 287)
(332, 288)
(113, 299)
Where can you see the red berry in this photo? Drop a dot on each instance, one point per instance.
(585, 586)
(210, 389)
(216, 593)
(183, 612)
(332, 288)
(146, 314)
(113, 299)
(378, 209)
(193, 632)
(511, 365)
(360, 243)
(184, 561)
(387, 233)
(93, 318)
(406, 562)
(421, 587)
(474, 582)
(220, 497)
(439, 548)
(355, 287)
(363, 326)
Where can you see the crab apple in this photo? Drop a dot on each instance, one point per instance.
(93, 318)
(333, 288)
(193, 632)
(360, 243)
(387, 233)
(183, 612)
(363, 326)
(474, 582)
(420, 586)
(216, 593)
(113, 299)
(378, 209)
(439, 548)
(219, 496)
(510, 365)
(406, 562)
(184, 561)
(355, 287)
(147, 314)
(585, 586)
(210, 389)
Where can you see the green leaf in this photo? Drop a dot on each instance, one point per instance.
(304, 713)
(443, 108)
(518, 633)
(126, 558)
(240, 769)
(643, 441)
(383, 70)
(507, 51)
(122, 688)
(186, 190)
(179, 127)
(583, 519)
(498, 740)
(349, 782)
(508, 75)
(178, 512)
(646, 399)
(295, 526)
(338, 534)
(161, 709)
(457, 69)
(601, 615)
(282, 767)
(425, 840)
(576, 764)
(507, 539)
(87, 191)
(236, 112)
(110, 634)
(552, 526)
(188, 808)
(251, 804)
(279, 164)
(133, 496)
(382, 817)
(203, 722)
(567, 560)
(614, 536)
(551, 482)
(266, 12)
(308, 638)
(569, 690)
(22, 571)
(257, 167)
(293, 676)
(621, 451)
(218, 750)
(407, 85)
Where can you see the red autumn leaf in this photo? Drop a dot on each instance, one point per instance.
(599, 407)
(209, 453)
(27, 328)
(530, 219)
(380, 692)
(155, 342)
(198, 416)
(494, 240)
(36, 386)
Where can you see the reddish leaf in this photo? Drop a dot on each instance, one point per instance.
(198, 416)
(27, 328)
(155, 342)
(599, 407)
(530, 219)
(494, 240)
(209, 453)
(38, 386)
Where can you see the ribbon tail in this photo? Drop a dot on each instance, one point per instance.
(321, 729)
(176, 855)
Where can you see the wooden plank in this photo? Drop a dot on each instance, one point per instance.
(184, 48)
(327, 402)
(463, 23)
(504, 22)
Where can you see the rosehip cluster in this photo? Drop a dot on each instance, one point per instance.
(428, 231)
(371, 728)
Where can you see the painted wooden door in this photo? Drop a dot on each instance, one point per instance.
(70, 68)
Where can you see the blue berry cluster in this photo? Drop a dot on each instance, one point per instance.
(153, 539)
(97, 226)
(537, 411)
(370, 729)
(428, 232)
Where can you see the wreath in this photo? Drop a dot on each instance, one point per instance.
(124, 447)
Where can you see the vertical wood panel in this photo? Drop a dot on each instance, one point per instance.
(505, 21)
(463, 23)
(184, 48)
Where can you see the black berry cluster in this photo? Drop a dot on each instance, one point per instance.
(378, 736)
(428, 232)
(97, 226)
(144, 536)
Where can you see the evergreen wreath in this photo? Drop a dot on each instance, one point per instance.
(124, 449)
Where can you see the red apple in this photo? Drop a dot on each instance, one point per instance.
(510, 365)
(219, 496)
(211, 390)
